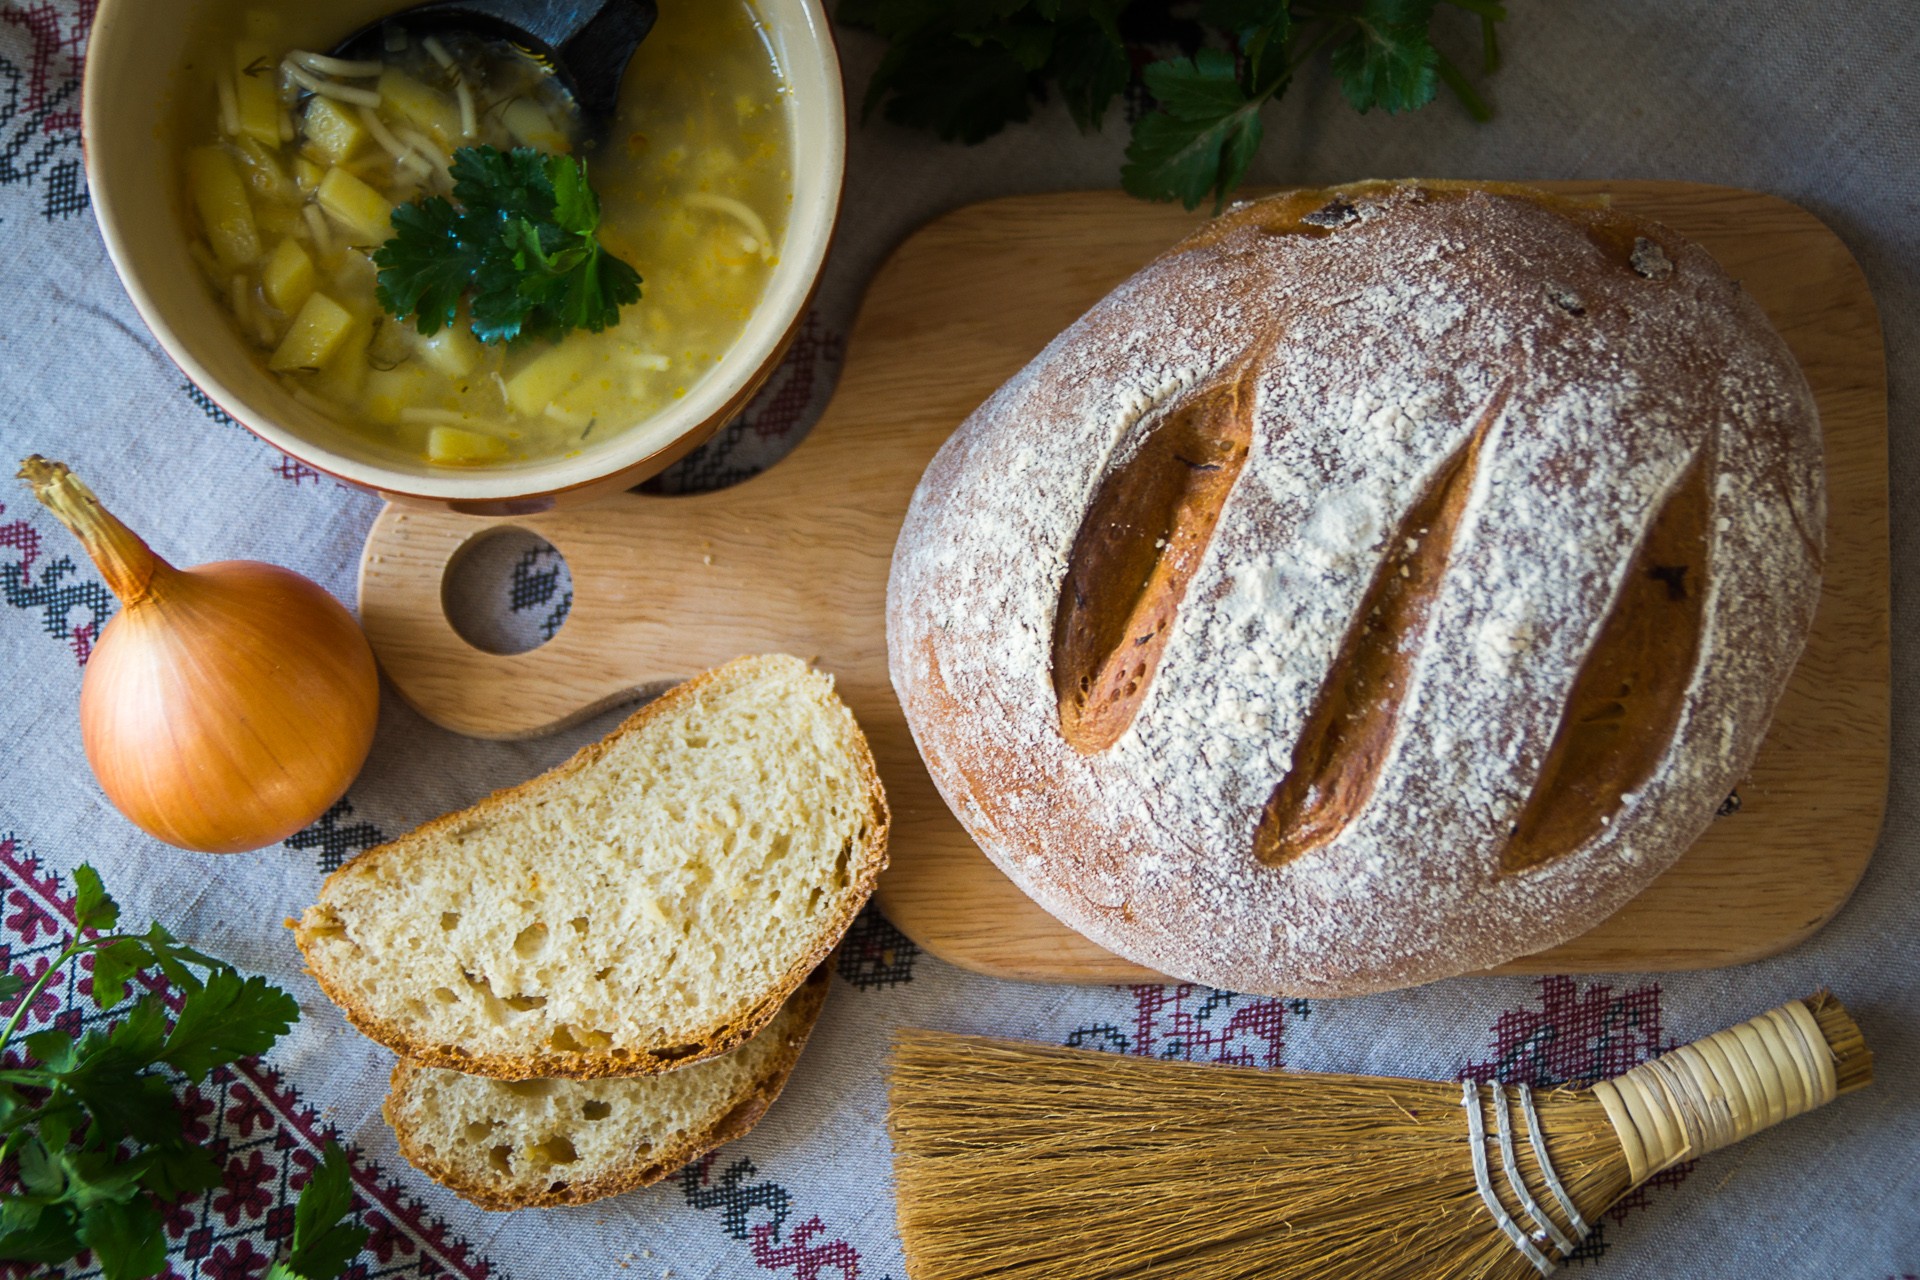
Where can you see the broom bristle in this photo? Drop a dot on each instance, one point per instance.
(1025, 1162)
(1853, 1065)
(1030, 1162)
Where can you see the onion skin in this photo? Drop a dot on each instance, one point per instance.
(230, 747)
(224, 707)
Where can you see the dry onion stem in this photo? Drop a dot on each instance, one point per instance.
(224, 707)
(1030, 1162)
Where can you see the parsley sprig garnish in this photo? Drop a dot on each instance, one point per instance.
(965, 71)
(520, 237)
(90, 1129)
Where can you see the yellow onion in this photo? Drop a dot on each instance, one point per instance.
(225, 706)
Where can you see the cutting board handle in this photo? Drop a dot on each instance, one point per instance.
(403, 574)
(663, 587)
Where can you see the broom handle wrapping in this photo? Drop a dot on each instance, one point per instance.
(1716, 1091)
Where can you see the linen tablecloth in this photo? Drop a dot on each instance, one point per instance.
(1817, 103)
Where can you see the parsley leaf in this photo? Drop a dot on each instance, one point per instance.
(1241, 16)
(53, 1048)
(127, 1236)
(47, 1238)
(519, 243)
(172, 957)
(1088, 59)
(427, 267)
(180, 1170)
(323, 1242)
(1202, 139)
(1386, 60)
(110, 1079)
(575, 207)
(961, 90)
(114, 964)
(492, 185)
(228, 1019)
(93, 907)
(1260, 29)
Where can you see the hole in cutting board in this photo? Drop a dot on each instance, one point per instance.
(507, 591)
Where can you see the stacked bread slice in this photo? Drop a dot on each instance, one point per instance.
(633, 917)
(508, 1144)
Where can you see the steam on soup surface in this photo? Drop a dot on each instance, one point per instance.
(300, 160)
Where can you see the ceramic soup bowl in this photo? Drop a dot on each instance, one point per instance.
(140, 62)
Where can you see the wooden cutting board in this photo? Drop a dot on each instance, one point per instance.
(797, 559)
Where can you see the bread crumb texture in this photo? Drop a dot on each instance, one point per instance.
(647, 904)
(508, 1144)
(1549, 378)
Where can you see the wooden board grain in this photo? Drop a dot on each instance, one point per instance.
(797, 560)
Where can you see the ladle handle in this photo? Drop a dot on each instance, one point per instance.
(590, 41)
(598, 50)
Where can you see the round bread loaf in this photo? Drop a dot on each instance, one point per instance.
(1386, 582)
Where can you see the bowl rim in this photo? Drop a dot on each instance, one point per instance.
(753, 356)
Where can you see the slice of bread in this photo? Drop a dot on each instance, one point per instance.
(647, 904)
(511, 1144)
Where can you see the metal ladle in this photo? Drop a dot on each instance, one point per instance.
(586, 43)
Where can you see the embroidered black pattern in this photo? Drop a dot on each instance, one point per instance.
(875, 954)
(33, 141)
(1185, 1022)
(809, 1251)
(207, 406)
(335, 838)
(1103, 1038)
(735, 1200)
(56, 596)
(66, 191)
(536, 580)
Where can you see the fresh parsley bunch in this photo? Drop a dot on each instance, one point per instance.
(966, 69)
(520, 236)
(88, 1124)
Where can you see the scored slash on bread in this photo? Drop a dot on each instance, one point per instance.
(647, 904)
(513, 1144)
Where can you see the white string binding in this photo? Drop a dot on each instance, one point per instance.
(1477, 1136)
(1520, 1191)
(1579, 1224)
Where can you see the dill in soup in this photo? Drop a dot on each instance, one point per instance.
(302, 161)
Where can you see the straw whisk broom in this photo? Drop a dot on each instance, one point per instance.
(1030, 1162)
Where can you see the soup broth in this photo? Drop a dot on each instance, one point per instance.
(299, 159)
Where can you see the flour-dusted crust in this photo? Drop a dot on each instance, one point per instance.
(1613, 367)
(417, 1108)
